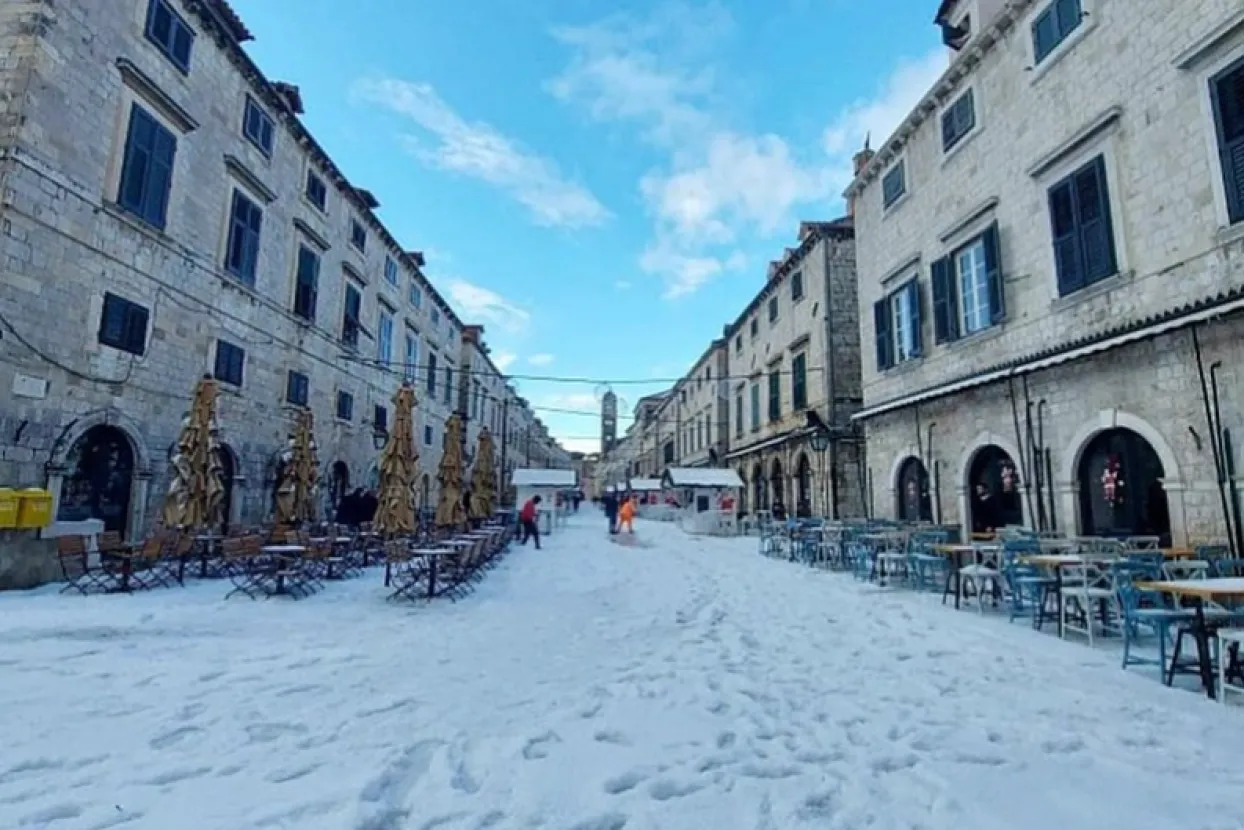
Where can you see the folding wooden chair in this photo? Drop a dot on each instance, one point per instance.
(407, 574)
(80, 572)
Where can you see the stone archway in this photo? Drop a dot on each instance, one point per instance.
(743, 500)
(1120, 482)
(803, 486)
(760, 491)
(65, 472)
(1172, 482)
(234, 484)
(777, 485)
(911, 485)
(993, 490)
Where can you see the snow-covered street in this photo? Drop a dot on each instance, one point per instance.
(689, 685)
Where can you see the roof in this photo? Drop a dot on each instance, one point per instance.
(702, 477)
(526, 477)
(645, 484)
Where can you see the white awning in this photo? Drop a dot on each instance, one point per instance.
(702, 477)
(535, 477)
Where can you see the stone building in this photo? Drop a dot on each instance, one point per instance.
(165, 214)
(645, 433)
(1049, 250)
(794, 350)
(697, 413)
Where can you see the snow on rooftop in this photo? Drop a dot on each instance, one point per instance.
(645, 485)
(539, 477)
(703, 477)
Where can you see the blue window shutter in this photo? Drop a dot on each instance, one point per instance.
(917, 318)
(160, 179)
(885, 341)
(1044, 34)
(1228, 99)
(134, 171)
(945, 302)
(1064, 229)
(1096, 234)
(993, 273)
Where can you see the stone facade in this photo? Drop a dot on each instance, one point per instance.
(696, 413)
(1062, 236)
(79, 375)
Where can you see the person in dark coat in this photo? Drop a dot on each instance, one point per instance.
(610, 503)
(984, 510)
(779, 512)
(349, 507)
(368, 506)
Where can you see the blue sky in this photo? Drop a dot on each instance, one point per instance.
(602, 190)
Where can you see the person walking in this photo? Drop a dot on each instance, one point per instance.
(626, 515)
(531, 526)
(610, 503)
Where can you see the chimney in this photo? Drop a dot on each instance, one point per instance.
(291, 95)
(860, 162)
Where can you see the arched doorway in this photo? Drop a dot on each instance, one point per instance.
(338, 482)
(914, 502)
(425, 497)
(1120, 483)
(743, 491)
(803, 481)
(777, 492)
(758, 488)
(228, 474)
(994, 490)
(100, 479)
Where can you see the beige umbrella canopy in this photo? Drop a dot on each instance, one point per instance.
(484, 478)
(395, 515)
(449, 510)
(195, 497)
(300, 474)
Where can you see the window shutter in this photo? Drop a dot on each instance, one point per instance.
(1093, 209)
(993, 273)
(136, 328)
(1229, 115)
(885, 342)
(917, 318)
(160, 180)
(1044, 34)
(945, 302)
(1065, 232)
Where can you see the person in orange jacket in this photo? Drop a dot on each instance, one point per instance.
(626, 515)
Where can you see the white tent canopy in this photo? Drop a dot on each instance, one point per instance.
(545, 478)
(723, 477)
(645, 485)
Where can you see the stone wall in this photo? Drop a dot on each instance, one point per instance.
(26, 561)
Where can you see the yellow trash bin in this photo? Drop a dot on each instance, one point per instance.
(8, 507)
(34, 510)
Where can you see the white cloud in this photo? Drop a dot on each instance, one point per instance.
(542, 359)
(579, 401)
(482, 152)
(718, 188)
(476, 304)
(578, 443)
(503, 360)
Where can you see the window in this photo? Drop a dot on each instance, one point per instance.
(316, 191)
(738, 415)
(738, 343)
(416, 294)
(427, 435)
(352, 317)
(799, 382)
(1053, 26)
(431, 375)
(380, 418)
(390, 270)
(1227, 91)
(897, 320)
(958, 120)
(306, 283)
(775, 395)
(708, 429)
(796, 286)
(755, 406)
(257, 126)
(242, 250)
(755, 327)
(147, 171)
(123, 325)
(893, 184)
(412, 356)
(449, 383)
(170, 33)
(773, 309)
(230, 362)
(967, 289)
(436, 317)
(1080, 224)
(297, 388)
(345, 406)
(384, 338)
(358, 235)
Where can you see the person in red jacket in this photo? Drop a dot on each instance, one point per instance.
(527, 516)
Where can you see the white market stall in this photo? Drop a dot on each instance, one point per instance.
(548, 484)
(708, 498)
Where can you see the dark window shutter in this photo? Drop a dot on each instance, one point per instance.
(917, 318)
(1044, 34)
(1065, 231)
(945, 302)
(993, 273)
(1093, 208)
(136, 328)
(160, 180)
(885, 341)
(1228, 96)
